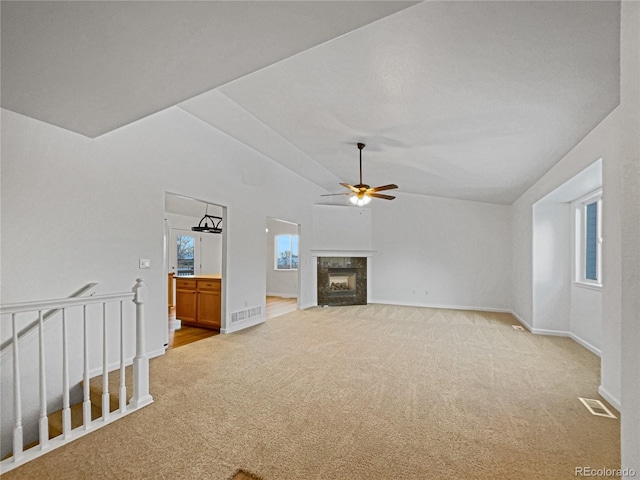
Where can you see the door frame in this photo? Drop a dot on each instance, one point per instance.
(300, 263)
(167, 259)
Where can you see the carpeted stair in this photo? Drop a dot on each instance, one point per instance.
(95, 395)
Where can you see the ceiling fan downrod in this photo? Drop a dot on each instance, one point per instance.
(360, 147)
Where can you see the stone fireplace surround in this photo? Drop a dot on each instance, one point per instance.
(349, 275)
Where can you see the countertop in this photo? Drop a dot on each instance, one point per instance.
(209, 276)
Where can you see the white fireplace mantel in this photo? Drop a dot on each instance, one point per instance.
(342, 253)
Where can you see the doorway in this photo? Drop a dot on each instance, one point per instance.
(185, 253)
(193, 257)
(282, 267)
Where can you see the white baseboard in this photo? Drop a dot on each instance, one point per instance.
(440, 306)
(282, 295)
(244, 324)
(111, 367)
(536, 331)
(553, 333)
(307, 305)
(521, 320)
(129, 361)
(604, 393)
(585, 344)
(157, 353)
(561, 333)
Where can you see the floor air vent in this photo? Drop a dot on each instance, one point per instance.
(596, 407)
(517, 327)
(246, 314)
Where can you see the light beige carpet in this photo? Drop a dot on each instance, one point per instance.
(364, 392)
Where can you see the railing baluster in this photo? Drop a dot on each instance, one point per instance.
(86, 404)
(141, 395)
(44, 421)
(45, 310)
(106, 407)
(123, 387)
(66, 410)
(17, 403)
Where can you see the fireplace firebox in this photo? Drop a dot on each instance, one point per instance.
(342, 280)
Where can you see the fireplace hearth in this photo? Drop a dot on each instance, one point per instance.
(342, 280)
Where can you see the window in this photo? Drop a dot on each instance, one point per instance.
(286, 252)
(589, 239)
(185, 255)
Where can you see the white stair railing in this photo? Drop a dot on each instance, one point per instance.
(141, 396)
(86, 291)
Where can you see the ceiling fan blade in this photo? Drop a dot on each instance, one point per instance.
(332, 194)
(379, 195)
(350, 187)
(391, 186)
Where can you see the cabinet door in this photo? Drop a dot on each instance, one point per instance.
(209, 308)
(186, 305)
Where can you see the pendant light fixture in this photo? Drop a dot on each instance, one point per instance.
(209, 223)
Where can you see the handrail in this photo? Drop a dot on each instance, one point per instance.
(88, 289)
(140, 362)
(63, 303)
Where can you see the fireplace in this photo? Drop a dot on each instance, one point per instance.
(342, 280)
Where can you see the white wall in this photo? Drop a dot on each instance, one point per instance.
(615, 141)
(602, 142)
(90, 190)
(551, 267)
(280, 283)
(78, 210)
(560, 305)
(585, 317)
(630, 245)
(339, 227)
(456, 250)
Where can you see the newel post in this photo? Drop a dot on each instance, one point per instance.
(141, 396)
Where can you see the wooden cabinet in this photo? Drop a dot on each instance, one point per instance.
(198, 301)
(186, 302)
(170, 292)
(208, 294)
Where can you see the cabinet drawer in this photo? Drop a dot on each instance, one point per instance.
(186, 283)
(209, 285)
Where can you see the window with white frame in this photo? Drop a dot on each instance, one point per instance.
(589, 239)
(286, 252)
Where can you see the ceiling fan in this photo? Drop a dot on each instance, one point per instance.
(361, 194)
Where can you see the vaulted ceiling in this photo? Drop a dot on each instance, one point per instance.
(469, 100)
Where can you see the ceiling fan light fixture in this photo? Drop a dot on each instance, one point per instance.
(361, 194)
(360, 200)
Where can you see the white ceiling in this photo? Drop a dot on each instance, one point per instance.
(94, 66)
(469, 100)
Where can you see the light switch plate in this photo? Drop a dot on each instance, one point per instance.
(145, 263)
